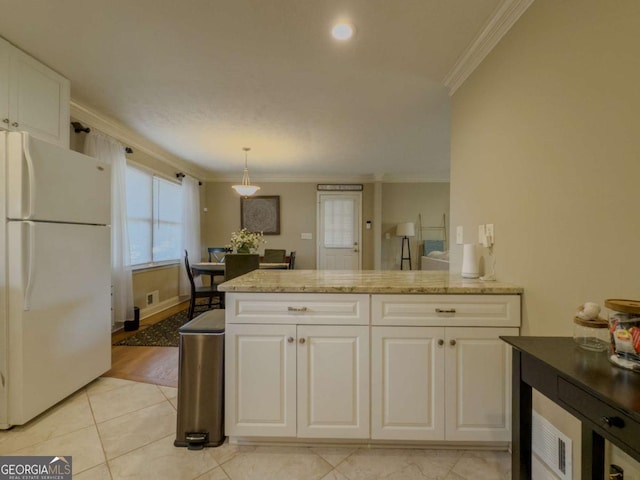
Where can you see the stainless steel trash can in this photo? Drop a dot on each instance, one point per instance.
(201, 382)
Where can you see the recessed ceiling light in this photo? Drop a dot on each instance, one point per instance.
(342, 31)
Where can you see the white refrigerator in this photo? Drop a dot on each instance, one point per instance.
(55, 274)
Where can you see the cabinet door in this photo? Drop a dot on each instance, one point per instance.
(260, 375)
(407, 383)
(4, 84)
(478, 384)
(333, 381)
(38, 99)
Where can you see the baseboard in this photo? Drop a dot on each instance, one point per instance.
(159, 307)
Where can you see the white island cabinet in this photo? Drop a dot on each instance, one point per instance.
(304, 373)
(327, 356)
(439, 368)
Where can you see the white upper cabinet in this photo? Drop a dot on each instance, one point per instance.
(33, 97)
(4, 84)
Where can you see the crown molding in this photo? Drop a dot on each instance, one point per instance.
(384, 178)
(132, 139)
(500, 22)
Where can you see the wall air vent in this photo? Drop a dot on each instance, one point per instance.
(551, 446)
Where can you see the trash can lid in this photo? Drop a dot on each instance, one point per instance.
(207, 322)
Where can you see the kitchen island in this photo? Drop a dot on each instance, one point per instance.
(368, 357)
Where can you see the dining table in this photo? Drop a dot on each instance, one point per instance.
(217, 268)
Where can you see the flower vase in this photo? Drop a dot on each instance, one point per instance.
(243, 249)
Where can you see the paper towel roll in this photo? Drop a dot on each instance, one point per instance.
(469, 261)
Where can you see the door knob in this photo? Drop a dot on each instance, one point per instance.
(290, 339)
(440, 342)
(452, 342)
(15, 124)
(302, 340)
(5, 120)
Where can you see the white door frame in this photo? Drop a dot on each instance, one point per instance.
(319, 229)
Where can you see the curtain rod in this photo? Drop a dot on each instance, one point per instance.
(181, 175)
(79, 128)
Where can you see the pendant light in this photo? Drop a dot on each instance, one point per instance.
(246, 189)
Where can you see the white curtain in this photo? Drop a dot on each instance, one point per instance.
(108, 150)
(190, 227)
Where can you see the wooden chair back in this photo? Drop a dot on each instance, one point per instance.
(292, 260)
(236, 264)
(272, 255)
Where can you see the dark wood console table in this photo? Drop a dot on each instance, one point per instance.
(605, 398)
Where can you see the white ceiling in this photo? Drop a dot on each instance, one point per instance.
(204, 78)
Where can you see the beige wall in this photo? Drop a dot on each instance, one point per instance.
(297, 215)
(404, 202)
(545, 145)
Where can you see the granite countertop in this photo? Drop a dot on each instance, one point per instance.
(365, 281)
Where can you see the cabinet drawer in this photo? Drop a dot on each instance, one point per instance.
(615, 422)
(446, 310)
(297, 308)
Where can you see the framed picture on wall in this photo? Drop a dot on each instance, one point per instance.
(261, 214)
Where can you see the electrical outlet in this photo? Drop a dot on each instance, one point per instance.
(459, 239)
(481, 234)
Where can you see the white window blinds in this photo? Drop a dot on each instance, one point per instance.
(338, 223)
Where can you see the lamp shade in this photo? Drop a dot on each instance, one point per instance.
(406, 230)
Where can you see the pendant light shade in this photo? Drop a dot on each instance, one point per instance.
(246, 189)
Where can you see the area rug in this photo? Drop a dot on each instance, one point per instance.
(162, 334)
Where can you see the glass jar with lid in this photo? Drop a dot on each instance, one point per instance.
(591, 335)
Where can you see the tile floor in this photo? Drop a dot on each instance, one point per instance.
(118, 429)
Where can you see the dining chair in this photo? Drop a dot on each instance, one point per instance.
(272, 255)
(216, 254)
(292, 259)
(207, 291)
(236, 264)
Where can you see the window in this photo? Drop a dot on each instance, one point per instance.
(154, 211)
(338, 223)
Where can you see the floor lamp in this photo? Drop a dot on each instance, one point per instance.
(405, 230)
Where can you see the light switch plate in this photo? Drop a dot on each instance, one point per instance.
(459, 239)
(306, 236)
(481, 234)
(490, 233)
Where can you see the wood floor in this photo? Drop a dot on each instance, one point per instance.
(157, 365)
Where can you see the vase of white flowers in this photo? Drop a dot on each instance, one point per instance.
(245, 241)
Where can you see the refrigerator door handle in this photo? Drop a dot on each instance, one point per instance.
(31, 264)
(30, 174)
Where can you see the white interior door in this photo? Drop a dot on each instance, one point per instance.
(339, 231)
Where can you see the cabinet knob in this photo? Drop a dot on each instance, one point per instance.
(440, 342)
(302, 340)
(5, 120)
(290, 339)
(452, 342)
(15, 124)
